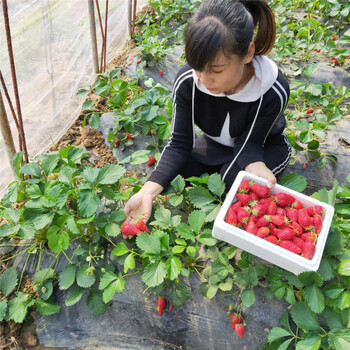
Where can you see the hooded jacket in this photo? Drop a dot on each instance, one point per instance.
(235, 127)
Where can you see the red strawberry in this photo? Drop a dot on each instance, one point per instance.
(305, 165)
(242, 215)
(318, 50)
(253, 196)
(116, 142)
(297, 228)
(244, 187)
(239, 329)
(161, 73)
(292, 215)
(271, 239)
(141, 226)
(309, 249)
(130, 230)
(286, 233)
(309, 111)
(309, 236)
(235, 319)
(261, 190)
(304, 219)
(160, 305)
(298, 241)
(151, 161)
(317, 222)
(263, 231)
(297, 205)
(244, 198)
(283, 199)
(251, 227)
(271, 208)
(129, 136)
(138, 62)
(335, 62)
(289, 245)
(334, 37)
(236, 205)
(231, 216)
(278, 220)
(259, 209)
(262, 221)
(315, 210)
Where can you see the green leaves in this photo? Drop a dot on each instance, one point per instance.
(57, 239)
(85, 276)
(111, 284)
(294, 181)
(154, 274)
(67, 276)
(304, 317)
(148, 243)
(88, 202)
(8, 281)
(18, 307)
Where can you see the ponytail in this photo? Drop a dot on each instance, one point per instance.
(264, 18)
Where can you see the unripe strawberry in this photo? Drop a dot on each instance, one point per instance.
(151, 161)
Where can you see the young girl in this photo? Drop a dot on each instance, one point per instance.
(233, 93)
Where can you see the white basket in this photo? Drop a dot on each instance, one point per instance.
(262, 248)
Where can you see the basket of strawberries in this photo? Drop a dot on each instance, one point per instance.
(279, 225)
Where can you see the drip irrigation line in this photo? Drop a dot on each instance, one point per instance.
(14, 78)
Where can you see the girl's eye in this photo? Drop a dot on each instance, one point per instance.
(217, 72)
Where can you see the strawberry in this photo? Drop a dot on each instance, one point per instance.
(278, 220)
(151, 161)
(138, 62)
(261, 190)
(231, 216)
(283, 199)
(263, 231)
(142, 226)
(170, 306)
(297, 205)
(161, 73)
(309, 111)
(305, 165)
(251, 227)
(334, 37)
(130, 230)
(289, 245)
(116, 142)
(262, 221)
(244, 187)
(309, 249)
(317, 222)
(286, 233)
(244, 198)
(318, 50)
(259, 209)
(235, 319)
(297, 228)
(271, 239)
(242, 215)
(160, 305)
(239, 329)
(292, 215)
(129, 136)
(298, 241)
(236, 205)
(304, 219)
(309, 236)
(271, 208)
(253, 196)
(315, 210)
(335, 62)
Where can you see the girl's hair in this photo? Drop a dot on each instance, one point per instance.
(227, 26)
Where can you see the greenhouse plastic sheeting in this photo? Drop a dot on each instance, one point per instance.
(53, 59)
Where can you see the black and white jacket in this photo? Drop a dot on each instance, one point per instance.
(241, 123)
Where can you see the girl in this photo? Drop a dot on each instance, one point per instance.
(233, 93)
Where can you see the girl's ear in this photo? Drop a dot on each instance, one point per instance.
(250, 54)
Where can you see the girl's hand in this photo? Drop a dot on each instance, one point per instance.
(260, 169)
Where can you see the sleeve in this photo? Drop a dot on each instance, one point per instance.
(180, 142)
(268, 120)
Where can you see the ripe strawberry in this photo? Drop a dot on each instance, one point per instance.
(235, 319)
(271, 208)
(309, 111)
(138, 62)
(244, 187)
(309, 249)
(263, 231)
(334, 37)
(309, 236)
(262, 221)
(261, 190)
(142, 226)
(259, 209)
(297, 205)
(161, 73)
(129, 136)
(304, 219)
(283, 199)
(317, 222)
(292, 215)
(271, 239)
(231, 216)
(315, 210)
(297, 228)
(151, 161)
(244, 198)
(305, 165)
(286, 233)
(289, 245)
(130, 230)
(318, 50)
(251, 227)
(278, 220)
(160, 305)
(239, 329)
(335, 62)
(298, 241)
(242, 215)
(236, 205)
(253, 196)
(116, 142)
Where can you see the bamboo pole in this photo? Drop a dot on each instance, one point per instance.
(93, 35)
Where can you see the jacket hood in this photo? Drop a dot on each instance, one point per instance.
(266, 73)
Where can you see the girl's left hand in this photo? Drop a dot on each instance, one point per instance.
(260, 169)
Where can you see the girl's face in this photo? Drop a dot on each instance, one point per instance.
(227, 75)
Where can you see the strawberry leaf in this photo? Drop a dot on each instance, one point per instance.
(154, 274)
(196, 220)
(8, 281)
(88, 202)
(110, 174)
(216, 185)
(66, 276)
(18, 307)
(46, 308)
(3, 309)
(173, 266)
(129, 263)
(314, 298)
(248, 297)
(149, 244)
(304, 317)
(95, 303)
(294, 181)
(312, 343)
(277, 333)
(74, 295)
(85, 280)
